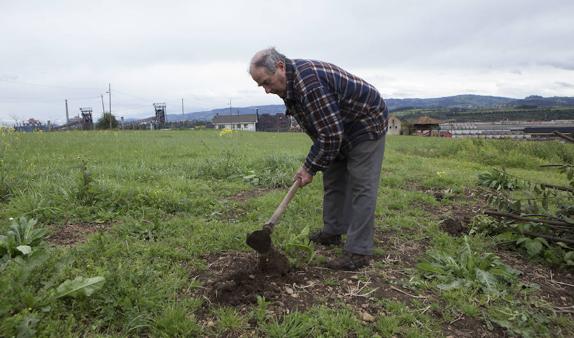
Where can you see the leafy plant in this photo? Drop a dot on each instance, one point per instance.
(541, 215)
(21, 237)
(498, 180)
(79, 286)
(299, 248)
(533, 246)
(529, 323)
(469, 270)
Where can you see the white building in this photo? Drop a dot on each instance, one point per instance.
(394, 125)
(246, 122)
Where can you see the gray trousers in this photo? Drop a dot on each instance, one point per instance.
(350, 195)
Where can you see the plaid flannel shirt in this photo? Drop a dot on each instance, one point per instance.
(335, 108)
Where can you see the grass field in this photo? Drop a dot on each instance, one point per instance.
(162, 217)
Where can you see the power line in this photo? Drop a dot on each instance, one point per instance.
(44, 85)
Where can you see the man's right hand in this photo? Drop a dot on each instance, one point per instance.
(303, 177)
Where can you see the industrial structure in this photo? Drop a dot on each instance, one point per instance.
(507, 129)
(154, 122)
(82, 122)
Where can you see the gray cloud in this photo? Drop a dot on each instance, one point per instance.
(564, 84)
(199, 49)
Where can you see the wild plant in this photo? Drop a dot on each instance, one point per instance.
(298, 248)
(538, 216)
(470, 270)
(20, 238)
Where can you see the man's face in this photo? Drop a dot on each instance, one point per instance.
(275, 83)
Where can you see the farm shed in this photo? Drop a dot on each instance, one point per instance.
(427, 126)
(245, 122)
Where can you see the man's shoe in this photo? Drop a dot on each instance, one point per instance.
(349, 262)
(324, 238)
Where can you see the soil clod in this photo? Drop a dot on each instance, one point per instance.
(244, 285)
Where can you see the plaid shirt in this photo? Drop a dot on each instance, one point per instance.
(335, 108)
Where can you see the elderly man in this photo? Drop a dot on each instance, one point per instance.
(346, 119)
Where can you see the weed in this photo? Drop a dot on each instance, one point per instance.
(401, 321)
(260, 311)
(176, 322)
(299, 248)
(229, 320)
(272, 172)
(20, 239)
(529, 323)
(84, 186)
(469, 270)
(330, 282)
(292, 325)
(497, 180)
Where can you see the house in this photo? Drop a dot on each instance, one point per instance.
(245, 122)
(394, 125)
(427, 126)
(277, 122)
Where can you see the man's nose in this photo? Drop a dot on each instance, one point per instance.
(267, 90)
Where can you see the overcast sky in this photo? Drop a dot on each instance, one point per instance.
(163, 51)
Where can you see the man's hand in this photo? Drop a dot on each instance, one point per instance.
(303, 177)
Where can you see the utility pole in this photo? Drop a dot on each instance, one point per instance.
(110, 102)
(230, 107)
(103, 108)
(110, 96)
(182, 113)
(67, 116)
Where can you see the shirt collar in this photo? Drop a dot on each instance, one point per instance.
(290, 76)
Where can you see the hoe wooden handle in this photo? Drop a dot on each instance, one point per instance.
(281, 208)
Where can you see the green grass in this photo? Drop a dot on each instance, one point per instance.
(165, 198)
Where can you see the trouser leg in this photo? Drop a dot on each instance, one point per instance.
(363, 173)
(336, 199)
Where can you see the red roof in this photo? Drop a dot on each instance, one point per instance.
(427, 120)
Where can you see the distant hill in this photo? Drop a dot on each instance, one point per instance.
(209, 114)
(458, 101)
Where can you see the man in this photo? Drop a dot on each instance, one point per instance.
(346, 119)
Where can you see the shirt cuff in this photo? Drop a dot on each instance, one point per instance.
(312, 170)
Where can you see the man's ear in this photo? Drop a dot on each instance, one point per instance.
(280, 65)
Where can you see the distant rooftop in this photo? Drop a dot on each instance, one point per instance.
(245, 118)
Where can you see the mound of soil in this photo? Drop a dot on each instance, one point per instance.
(242, 286)
(454, 227)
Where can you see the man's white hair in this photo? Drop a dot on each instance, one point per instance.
(267, 58)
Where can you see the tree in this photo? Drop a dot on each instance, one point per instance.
(106, 121)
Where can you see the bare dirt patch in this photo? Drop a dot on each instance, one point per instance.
(455, 217)
(244, 196)
(71, 234)
(400, 249)
(556, 286)
(232, 279)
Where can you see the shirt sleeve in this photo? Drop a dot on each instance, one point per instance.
(325, 116)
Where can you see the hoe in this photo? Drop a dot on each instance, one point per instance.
(270, 259)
